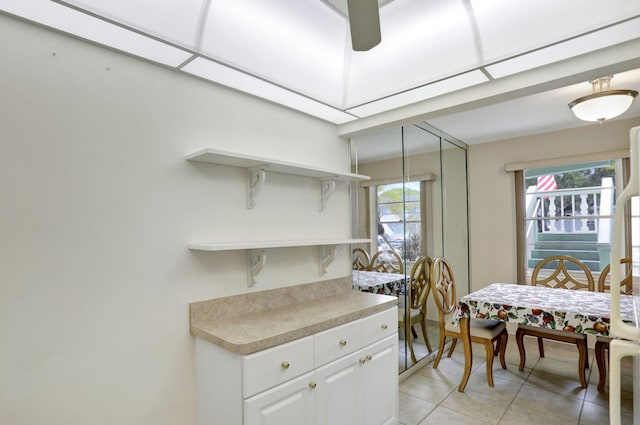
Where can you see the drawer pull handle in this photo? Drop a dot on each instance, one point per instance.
(368, 357)
(285, 365)
(384, 326)
(362, 360)
(312, 385)
(343, 342)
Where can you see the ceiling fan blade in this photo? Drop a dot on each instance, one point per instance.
(364, 21)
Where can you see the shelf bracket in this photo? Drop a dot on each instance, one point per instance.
(256, 177)
(327, 255)
(327, 187)
(256, 258)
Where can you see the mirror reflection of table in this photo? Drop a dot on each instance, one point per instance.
(378, 282)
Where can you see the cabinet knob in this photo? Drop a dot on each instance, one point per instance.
(368, 357)
(362, 360)
(285, 365)
(384, 326)
(312, 385)
(343, 342)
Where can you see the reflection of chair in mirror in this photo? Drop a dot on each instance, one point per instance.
(386, 262)
(361, 259)
(602, 342)
(567, 274)
(417, 293)
(486, 332)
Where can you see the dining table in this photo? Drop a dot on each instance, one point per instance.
(551, 308)
(378, 282)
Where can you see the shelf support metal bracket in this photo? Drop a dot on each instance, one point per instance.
(256, 258)
(327, 255)
(255, 180)
(327, 187)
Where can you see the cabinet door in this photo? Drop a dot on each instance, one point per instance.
(379, 383)
(291, 403)
(338, 386)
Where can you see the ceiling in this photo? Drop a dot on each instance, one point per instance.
(480, 70)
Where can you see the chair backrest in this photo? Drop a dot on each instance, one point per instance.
(567, 273)
(420, 282)
(626, 286)
(361, 259)
(383, 261)
(443, 288)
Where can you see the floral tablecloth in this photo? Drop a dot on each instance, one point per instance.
(378, 282)
(562, 309)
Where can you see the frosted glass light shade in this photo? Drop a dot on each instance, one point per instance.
(604, 105)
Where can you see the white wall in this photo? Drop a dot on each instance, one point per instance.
(492, 193)
(97, 205)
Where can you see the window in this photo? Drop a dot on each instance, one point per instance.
(399, 218)
(568, 209)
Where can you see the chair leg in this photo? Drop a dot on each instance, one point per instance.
(586, 359)
(453, 347)
(413, 332)
(488, 346)
(582, 353)
(409, 341)
(440, 349)
(601, 347)
(423, 325)
(503, 348)
(520, 341)
(541, 347)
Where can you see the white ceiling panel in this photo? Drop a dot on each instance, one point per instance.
(421, 42)
(300, 45)
(298, 52)
(508, 28)
(426, 92)
(68, 20)
(171, 20)
(606, 37)
(231, 78)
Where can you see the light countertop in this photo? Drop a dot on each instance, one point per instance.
(248, 323)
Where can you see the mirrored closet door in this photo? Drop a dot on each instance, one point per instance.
(413, 209)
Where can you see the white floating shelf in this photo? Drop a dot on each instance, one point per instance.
(234, 246)
(258, 166)
(214, 156)
(257, 257)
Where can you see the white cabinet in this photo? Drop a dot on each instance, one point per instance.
(291, 403)
(378, 397)
(329, 378)
(361, 389)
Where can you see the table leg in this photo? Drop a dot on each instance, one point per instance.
(468, 353)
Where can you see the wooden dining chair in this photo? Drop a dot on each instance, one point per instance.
(387, 261)
(415, 312)
(483, 331)
(567, 273)
(360, 259)
(602, 342)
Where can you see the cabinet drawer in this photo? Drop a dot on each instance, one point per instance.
(268, 368)
(379, 325)
(337, 342)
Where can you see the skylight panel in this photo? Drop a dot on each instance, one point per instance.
(421, 42)
(240, 81)
(298, 44)
(421, 93)
(597, 40)
(82, 25)
(172, 20)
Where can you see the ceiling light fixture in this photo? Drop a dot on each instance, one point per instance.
(603, 104)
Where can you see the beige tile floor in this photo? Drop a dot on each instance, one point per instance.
(546, 392)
